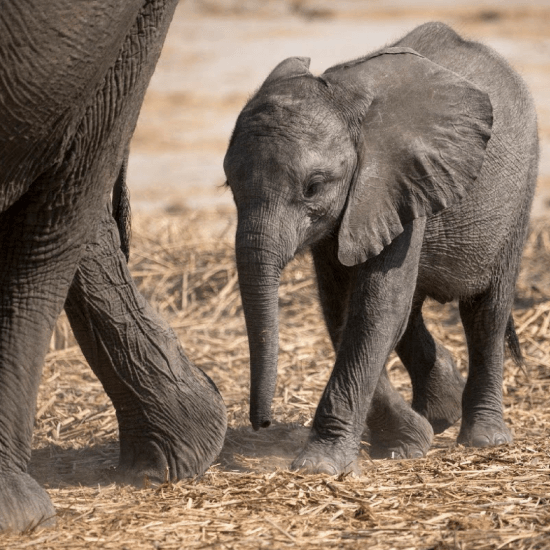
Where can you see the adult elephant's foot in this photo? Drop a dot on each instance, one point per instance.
(175, 436)
(484, 433)
(322, 457)
(23, 503)
(396, 431)
(438, 395)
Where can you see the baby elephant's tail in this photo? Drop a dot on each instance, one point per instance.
(513, 343)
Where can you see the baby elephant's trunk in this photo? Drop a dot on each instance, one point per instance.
(259, 270)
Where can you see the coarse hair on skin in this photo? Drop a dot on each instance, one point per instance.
(270, 108)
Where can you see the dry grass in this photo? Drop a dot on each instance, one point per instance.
(454, 498)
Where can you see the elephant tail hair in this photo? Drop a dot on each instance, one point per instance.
(513, 343)
(121, 209)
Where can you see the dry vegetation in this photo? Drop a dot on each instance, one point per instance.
(454, 498)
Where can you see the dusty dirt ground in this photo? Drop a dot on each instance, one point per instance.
(216, 54)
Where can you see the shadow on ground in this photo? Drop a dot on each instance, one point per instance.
(244, 450)
(263, 451)
(56, 466)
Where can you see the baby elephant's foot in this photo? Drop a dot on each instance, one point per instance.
(395, 429)
(484, 434)
(409, 435)
(322, 458)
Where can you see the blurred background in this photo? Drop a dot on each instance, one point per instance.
(219, 51)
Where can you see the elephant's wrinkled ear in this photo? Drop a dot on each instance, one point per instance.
(293, 66)
(422, 144)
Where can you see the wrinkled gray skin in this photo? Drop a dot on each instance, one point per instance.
(72, 79)
(409, 174)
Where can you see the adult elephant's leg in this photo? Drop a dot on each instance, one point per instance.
(172, 420)
(26, 324)
(484, 318)
(394, 429)
(39, 250)
(379, 308)
(437, 383)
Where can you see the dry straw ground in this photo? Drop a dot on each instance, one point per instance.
(454, 498)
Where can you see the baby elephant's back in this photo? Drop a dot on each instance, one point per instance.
(469, 242)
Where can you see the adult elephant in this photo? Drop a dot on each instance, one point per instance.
(73, 74)
(410, 174)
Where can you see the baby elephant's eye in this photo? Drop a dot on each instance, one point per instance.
(312, 188)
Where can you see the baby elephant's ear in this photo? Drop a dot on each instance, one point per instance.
(292, 66)
(421, 148)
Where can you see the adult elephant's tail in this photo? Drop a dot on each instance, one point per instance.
(121, 208)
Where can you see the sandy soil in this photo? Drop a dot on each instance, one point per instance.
(219, 51)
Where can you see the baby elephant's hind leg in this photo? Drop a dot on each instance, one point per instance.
(395, 430)
(485, 319)
(437, 383)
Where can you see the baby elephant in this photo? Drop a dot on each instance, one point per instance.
(409, 173)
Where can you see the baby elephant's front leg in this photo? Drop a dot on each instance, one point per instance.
(378, 312)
